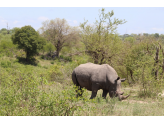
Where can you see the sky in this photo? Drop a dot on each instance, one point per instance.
(139, 19)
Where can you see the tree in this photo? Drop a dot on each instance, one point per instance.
(13, 30)
(49, 47)
(131, 40)
(161, 37)
(101, 41)
(28, 40)
(146, 34)
(3, 31)
(156, 35)
(59, 33)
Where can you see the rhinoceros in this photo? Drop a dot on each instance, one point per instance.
(94, 77)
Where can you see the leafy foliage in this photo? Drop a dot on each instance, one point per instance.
(46, 89)
(100, 42)
(59, 33)
(55, 72)
(28, 40)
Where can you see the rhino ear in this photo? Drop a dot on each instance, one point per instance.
(118, 78)
(122, 80)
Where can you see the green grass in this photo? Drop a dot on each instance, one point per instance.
(28, 90)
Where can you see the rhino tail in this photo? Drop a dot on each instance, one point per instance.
(74, 79)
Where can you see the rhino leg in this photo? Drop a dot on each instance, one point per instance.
(112, 94)
(95, 88)
(79, 92)
(104, 94)
(94, 93)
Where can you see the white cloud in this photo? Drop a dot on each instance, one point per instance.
(137, 31)
(15, 22)
(42, 18)
(74, 21)
(68, 20)
(158, 29)
(30, 20)
(2, 20)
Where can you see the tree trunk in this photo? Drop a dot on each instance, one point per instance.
(131, 75)
(162, 68)
(96, 59)
(103, 57)
(162, 63)
(27, 56)
(58, 48)
(156, 63)
(57, 53)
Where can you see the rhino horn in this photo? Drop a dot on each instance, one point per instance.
(121, 97)
(122, 80)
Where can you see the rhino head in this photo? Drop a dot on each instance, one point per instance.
(117, 92)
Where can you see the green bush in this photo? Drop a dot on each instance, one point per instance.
(55, 73)
(66, 58)
(19, 92)
(5, 64)
(20, 54)
(61, 56)
(42, 56)
(141, 66)
(39, 65)
(1, 55)
(7, 48)
(52, 62)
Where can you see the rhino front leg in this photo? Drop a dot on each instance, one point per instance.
(104, 94)
(94, 93)
(112, 94)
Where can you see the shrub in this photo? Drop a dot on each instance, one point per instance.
(5, 64)
(61, 56)
(149, 86)
(7, 48)
(52, 62)
(58, 104)
(68, 59)
(39, 65)
(19, 92)
(42, 56)
(20, 54)
(55, 73)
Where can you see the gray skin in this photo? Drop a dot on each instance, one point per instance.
(94, 77)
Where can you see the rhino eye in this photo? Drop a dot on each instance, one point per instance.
(118, 78)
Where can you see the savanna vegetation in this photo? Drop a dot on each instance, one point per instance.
(36, 68)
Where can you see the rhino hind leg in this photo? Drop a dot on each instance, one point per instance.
(79, 92)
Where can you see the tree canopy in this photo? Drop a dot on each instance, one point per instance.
(28, 40)
(59, 33)
(100, 39)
